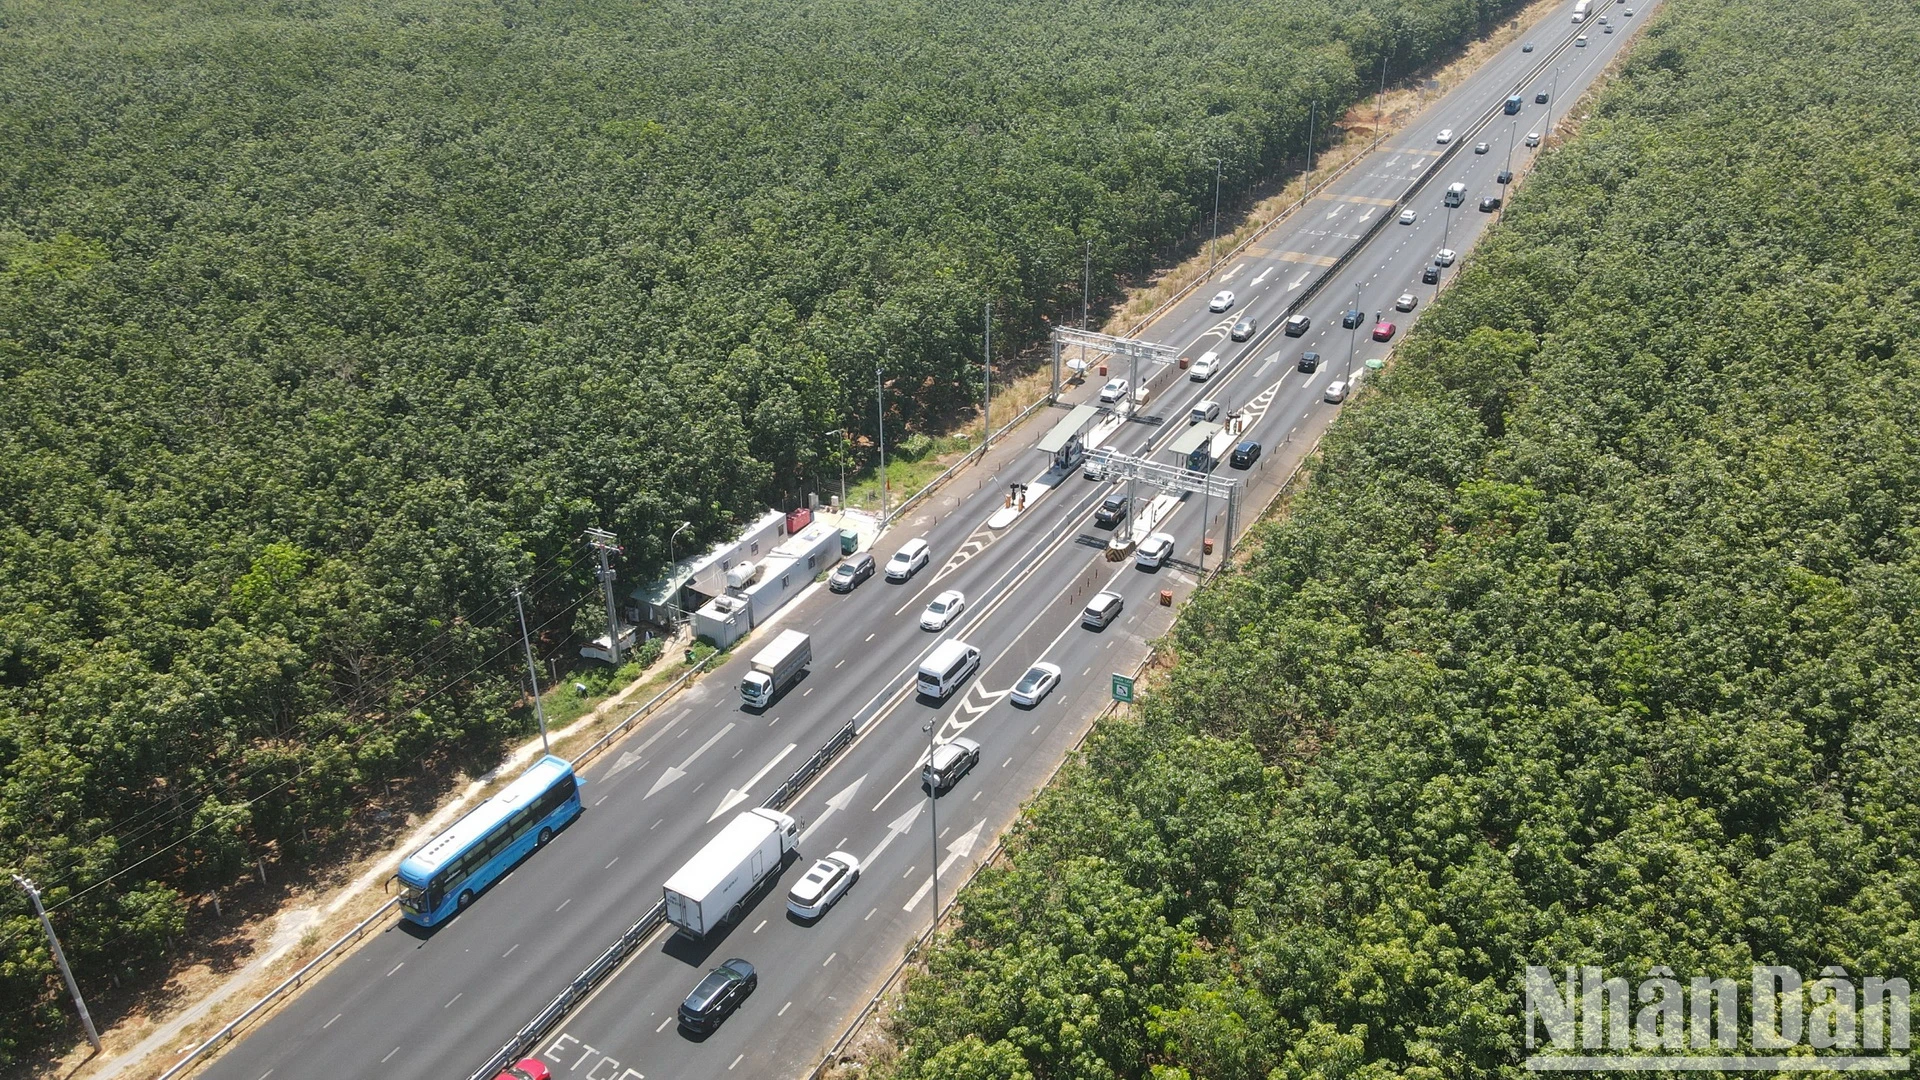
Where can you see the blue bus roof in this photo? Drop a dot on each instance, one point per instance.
(420, 866)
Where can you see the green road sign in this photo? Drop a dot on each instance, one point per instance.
(1122, 688)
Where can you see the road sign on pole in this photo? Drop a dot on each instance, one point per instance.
(1122, 689)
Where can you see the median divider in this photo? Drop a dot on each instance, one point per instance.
(583, 984)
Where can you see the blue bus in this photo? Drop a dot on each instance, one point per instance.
(442, 878)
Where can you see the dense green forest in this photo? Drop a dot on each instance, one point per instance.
(323, 323)
(1592, 640)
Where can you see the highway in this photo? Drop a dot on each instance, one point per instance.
(437, 1003)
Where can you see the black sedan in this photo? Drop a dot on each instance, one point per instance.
(721, 992)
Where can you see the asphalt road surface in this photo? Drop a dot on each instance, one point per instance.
(416, 1003)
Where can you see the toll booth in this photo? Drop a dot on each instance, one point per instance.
(1194, 448)
(1066, 443)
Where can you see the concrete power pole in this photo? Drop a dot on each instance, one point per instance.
(986, 406)
(60, 958)
(533, 670)
(603, 545)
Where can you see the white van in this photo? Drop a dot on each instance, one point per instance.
(946, 668)
(1456, 194)
(911, 557)
(1203, 412)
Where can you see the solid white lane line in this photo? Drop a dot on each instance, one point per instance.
(784, 1008)
(736, 1061)
(609, 866)
(389, 1056)
(829, 959)
(762, 926)
(563, 905)
(509, 952)
(396, 967)
(329, 1023)
(456, 997)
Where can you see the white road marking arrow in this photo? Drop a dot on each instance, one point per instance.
(626, 759)
(1368, 214)
(959, 849)
(675, 772)
(838, 802)
(1262, 277)
(735, 796)
(1335, 212)
(1297, 282)
(1233, 273)
(900, 825)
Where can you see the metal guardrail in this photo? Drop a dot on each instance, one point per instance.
(643, 711)
(293, 982)
(575, 991)
(804, 775)
(616, 954)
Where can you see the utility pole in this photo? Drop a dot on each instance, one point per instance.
(533, 672)
(603, 545)
(1379, 101)
(986, 407)
(1353, 334)
(60, 958)
(880, 399)
(1213, 244)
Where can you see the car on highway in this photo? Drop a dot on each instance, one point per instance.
(1298, 325)
(1580, 42)
(1113, 510)
(820, 886)
(525, 1069)
(1244, 329)
(949, 762)
(1528, 47)
(1540, 98)
(1489, 203)
(1443, 257)
(1603, 20)
(1353, 317)
(1154, 551)
(1408, 217)
(1606, 29)
(1221, 301)
(1384, 330)
(852, 572)
(1203, 368)
(1115, 390)
(1626, 12)
(1037, 683)
(1481, 148)
(1430, 276)
(1445, 136)
(1102, 610)
(1336, 392)
(1246, 454)
(1406, 302)
(1533, 138)
(912, 555)
(943, 610)
(1309, 362)
(1095, 468)
(721, 992)
(1505, 176)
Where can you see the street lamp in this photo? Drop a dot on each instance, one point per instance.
(1213, 244)
(673, 578)
(1353, 333)
(880, 407)
(933, 819)
(842, 432)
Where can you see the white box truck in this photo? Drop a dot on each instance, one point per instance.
(706, 892)
(775, 667)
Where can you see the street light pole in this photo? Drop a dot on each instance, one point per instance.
(1213, 244)
(986, 406)
(1086, 288)
(933, 819)
(60, 958)
(673, 576)
(1353, 334)
(1312, 111)
(880, 400)
(533, 673)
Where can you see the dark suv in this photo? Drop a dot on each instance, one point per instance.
(1309, 362)
(1246, 454)
(1112, 511)
(721, 992)
(851, 573)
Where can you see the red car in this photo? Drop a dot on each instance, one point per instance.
(526, 1069)
(1383, 330)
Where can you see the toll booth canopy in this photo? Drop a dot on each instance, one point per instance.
(1066, 442)
(1194, 449)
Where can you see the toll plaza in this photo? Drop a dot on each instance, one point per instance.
(1066, 444)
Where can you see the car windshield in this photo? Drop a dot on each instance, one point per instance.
(1031, 681)
(937, 607)
(709, 988)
